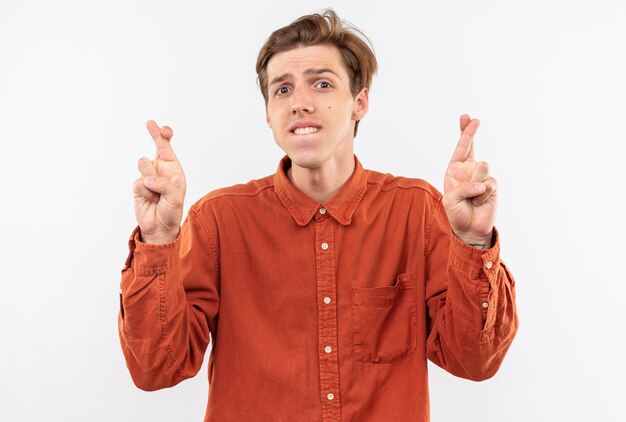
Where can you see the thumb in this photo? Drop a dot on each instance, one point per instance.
(160, 185)
(463, 192)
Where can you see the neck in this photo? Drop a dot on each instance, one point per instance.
(321, 183)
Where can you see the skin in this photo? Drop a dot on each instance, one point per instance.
(321, 162)
(310, 86)
(160, 191)
(470, 192)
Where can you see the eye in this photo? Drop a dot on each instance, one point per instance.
(282, 90)
(323, 85)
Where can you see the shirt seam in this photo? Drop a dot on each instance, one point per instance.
(212, 197)
(212, 243)
(163, 318)
(386, 188)
(429, 227)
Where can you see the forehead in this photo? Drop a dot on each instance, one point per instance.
(299, 59)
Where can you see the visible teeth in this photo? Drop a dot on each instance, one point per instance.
(305, 130)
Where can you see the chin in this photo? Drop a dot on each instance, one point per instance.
(305, 162)
(306, 156)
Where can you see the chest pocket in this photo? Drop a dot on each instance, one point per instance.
(384, 321)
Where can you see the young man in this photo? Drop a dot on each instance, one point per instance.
(324, 288)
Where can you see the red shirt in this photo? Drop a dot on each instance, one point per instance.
(316, 312)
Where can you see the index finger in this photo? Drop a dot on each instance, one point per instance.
(464, 121)
(162, 137)
(465, 148)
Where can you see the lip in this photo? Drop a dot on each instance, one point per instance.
(304, 123)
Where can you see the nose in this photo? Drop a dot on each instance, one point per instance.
(301, 101)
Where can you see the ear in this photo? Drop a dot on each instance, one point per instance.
(267, 120)
(361, 105)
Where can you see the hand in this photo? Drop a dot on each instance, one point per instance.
(470, 193)
(160, 191)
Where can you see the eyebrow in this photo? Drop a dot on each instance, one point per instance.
(307, 72)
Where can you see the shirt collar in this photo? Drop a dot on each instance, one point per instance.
(302, 208)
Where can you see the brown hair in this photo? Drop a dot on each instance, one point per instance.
(325, 28)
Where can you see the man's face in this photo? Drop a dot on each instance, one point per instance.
(310, 107)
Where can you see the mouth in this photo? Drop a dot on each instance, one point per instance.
(305, 130)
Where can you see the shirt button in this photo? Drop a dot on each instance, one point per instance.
(489, 265)
(324, 245)
(322, 210)
(327, 300)
(485, 305)
(328, 349)
(330, 396)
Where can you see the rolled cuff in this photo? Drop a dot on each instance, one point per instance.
(148, 259)
(477, 263)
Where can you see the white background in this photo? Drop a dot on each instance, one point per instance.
(79, 79)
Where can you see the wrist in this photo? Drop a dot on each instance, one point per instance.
(161, 238)
(476, 241)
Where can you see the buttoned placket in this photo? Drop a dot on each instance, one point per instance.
(327, 316)
(489, 270)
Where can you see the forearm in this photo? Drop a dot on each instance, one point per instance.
(154, 322)
(476, 241)
(475, 318)
(160, 238)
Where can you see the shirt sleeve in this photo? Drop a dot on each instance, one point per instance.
(470, 293)
(169, 296)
